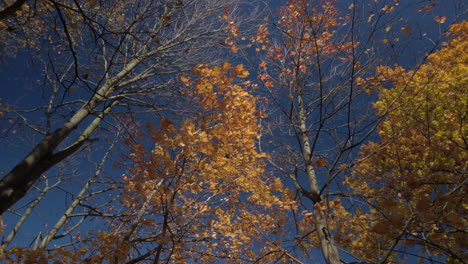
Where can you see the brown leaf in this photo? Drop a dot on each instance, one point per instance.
(321, 163)
(423, 205)
(381, 228)
(165, 123)
(398, 220)
(388, 202)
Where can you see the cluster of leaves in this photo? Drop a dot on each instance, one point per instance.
(207, 170)
(414, 178)
(309, 34)
(59, 24)
(14, 31)
(197, 187)
(312, 43)
(179, 198)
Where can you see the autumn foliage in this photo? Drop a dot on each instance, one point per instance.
(294, 142)
(184, 187)
(41, 24)
(414, 178)
(200, 173)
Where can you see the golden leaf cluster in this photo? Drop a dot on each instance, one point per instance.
(416, 181)
(203, 178)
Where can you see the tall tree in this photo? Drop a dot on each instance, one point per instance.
(299, 70)
(103, 59)
(197, 185)
(314, 56)
(200, 193)
(414, 177)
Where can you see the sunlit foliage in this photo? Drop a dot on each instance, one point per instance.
(414, 178)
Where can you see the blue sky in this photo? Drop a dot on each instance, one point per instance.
(21, 79)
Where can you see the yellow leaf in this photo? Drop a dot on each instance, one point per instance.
(240, 71)
(185, 80)
(343, 167)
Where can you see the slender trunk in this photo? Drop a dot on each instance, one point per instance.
(329, 249)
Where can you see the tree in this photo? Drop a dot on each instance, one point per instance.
(108, 59)
(200, 193)
(299, 72)
(414, 177)
(319, 114)
(213, 179)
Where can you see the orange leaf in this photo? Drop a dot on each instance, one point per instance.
(185, 80)
(428, 8)
(225, 66)
(406, 29)
(440, 20)
(234, 49)
(240, 71)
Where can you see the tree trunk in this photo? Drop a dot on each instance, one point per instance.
(329, 249)
(15, 184)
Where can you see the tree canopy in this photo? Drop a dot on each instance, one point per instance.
(414, 178)
(221, 131)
